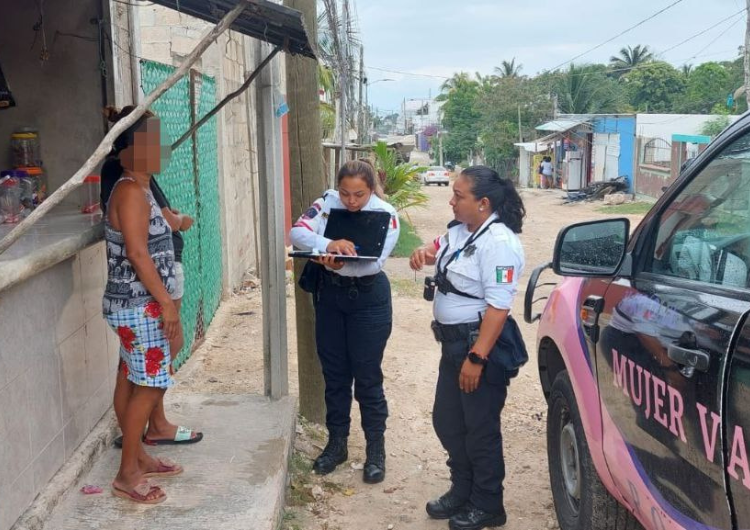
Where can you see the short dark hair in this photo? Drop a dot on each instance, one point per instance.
(502, 194)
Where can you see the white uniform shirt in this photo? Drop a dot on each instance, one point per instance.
(490, 271)
(307, 232)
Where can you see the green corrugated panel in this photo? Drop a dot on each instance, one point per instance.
(210, 205)
(178, 183)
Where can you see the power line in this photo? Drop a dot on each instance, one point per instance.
(704, 31)
(414, 74)
(631, 28)
(733, 24)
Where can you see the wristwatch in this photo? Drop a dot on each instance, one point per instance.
(476, 359)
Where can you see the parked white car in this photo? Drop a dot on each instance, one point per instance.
(436, 175)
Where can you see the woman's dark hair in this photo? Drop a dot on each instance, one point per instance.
(112, 169)
(502, 194)
(363, 170)
(125, 140)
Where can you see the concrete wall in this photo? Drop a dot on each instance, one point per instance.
(62, 96)
(665, 125)
(58, 363)
(167, 36)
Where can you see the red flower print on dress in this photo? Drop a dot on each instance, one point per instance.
(152, 368)
(155, 354)
(124, 368)
(127, 336)
(153, 309)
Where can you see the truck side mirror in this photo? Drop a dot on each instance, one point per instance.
(591, 249)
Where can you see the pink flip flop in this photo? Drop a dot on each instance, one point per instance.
(140, 493)
(166, 468)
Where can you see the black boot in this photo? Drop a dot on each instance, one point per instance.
(335, 453)
(445, 507)
(375, 464)
(473, 518)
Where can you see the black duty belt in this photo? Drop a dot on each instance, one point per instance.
(331, 278)
(453, 332)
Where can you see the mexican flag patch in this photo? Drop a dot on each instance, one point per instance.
(504, 274)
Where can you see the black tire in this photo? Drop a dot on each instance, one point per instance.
(581, 500)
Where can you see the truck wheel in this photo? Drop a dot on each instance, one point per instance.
(581, 500)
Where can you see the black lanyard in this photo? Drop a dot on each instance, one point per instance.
(476, 235)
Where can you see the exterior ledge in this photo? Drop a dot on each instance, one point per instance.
(59, 236)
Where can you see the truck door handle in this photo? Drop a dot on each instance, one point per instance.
(690, 359)
(590, 310)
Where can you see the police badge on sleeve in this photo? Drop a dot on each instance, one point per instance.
(504, 275)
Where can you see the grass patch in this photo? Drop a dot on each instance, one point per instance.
(407, 287)
(631, 208)
(300, 469)
(408, 240)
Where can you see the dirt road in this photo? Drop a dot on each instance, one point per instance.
(416, 461)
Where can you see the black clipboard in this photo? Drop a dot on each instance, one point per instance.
(366, 229)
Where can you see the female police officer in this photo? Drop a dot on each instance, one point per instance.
(353, 319)
(478, 263)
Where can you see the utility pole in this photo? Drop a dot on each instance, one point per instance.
(747, 52)
(361, 113)
(440, 146)
(308, 182)
(520, 134)
(344, 79)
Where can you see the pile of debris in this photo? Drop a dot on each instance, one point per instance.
(599, 190)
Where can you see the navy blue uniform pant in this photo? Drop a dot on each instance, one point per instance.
(468, 426)
(352, 326)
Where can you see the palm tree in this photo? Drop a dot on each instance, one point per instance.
(687, 70)
(586, 90)
(454, 82)
(630, 57)
(509, 69)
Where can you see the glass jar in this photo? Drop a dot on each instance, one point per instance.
(90, 194)
(37, 183)
(10, 198)
(25, 148)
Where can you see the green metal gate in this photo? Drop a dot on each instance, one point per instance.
(191, 183)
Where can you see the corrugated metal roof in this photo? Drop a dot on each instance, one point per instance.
(261, 19)
(561, 125)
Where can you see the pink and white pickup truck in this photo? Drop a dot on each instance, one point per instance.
(644, 356)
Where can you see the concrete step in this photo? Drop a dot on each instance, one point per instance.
(235, 479)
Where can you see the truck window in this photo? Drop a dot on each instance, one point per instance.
(704, 234)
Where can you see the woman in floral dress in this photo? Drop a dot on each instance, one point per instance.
(138, 304)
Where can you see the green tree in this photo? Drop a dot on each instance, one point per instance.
(630, 57)
(509, 69)
(588, 90)
(707, 87)
(655, 87)
(715, 126)
(499, 107)
(460, 116)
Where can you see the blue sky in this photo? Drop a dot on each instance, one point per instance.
(441, 37)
